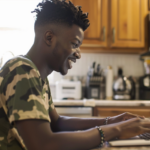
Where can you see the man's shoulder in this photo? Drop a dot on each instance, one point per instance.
(17, 62)
(17, 68)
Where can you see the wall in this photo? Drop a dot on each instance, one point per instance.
(130, 63)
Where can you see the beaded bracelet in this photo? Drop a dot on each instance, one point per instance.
(106, 120)
(102, 136)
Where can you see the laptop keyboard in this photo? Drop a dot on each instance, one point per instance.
(145, 136)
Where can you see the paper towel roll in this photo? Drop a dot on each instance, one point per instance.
(109, 83)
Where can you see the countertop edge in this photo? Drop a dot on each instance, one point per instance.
(93, 103)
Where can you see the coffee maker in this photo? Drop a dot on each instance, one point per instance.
(144, 81)
(123, 87)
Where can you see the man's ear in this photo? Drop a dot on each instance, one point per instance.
(48, 37)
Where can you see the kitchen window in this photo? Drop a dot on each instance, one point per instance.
(16, 25)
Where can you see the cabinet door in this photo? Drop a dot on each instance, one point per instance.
(113, 111)
(128, 18)
(96, 34)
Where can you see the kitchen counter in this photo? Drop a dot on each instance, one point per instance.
(104, 108)
(93, 103)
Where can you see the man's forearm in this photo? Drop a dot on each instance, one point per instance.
(75, 140)
(72, 123)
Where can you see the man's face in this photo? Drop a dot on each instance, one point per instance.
(66, 49)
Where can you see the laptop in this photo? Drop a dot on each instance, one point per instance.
(141, 140)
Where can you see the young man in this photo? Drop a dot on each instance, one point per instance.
(28, 119)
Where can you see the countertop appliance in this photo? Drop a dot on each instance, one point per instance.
(123, 87)
(95, 84)
(96, 87)
(68, 89)
(144, 81)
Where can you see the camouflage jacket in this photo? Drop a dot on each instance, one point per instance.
(23, 95)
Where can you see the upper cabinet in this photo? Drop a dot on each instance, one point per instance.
(127, 19)
(96, 34)
(116, 26)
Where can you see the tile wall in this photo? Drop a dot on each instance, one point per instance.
(129, 62)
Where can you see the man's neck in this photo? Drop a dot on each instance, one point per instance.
(40, 63)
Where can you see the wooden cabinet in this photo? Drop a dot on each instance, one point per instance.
(113, 111)
(115, 25)
(127, 23)
(96, 34)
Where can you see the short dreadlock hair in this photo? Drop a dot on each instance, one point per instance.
(60, 11)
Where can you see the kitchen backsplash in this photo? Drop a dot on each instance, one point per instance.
(129, 62)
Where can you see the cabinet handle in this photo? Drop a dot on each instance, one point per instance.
(104, 33)
(114, 33)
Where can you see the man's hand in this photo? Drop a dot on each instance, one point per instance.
(134, 127)
(145, 135)
(123, 117)
(126, 129)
